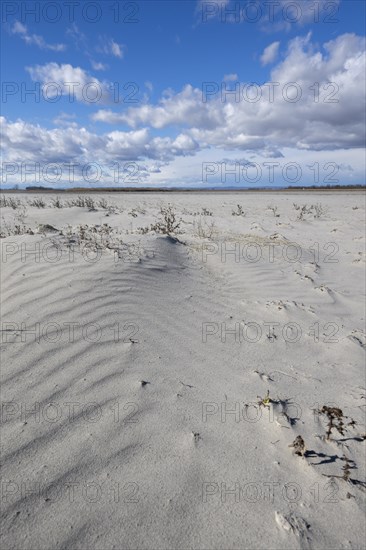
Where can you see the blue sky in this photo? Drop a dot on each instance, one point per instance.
(150, 63)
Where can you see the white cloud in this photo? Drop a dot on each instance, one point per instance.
(65, 119)
(185, 108)
(160, 160)
(71, 81)
(28, 142)
(270, 53)
(331, 120)
(21, 30)
(109, 47)
(116, 49)
(78, 38)
(97, 66)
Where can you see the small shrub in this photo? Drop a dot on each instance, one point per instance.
(17, 229)
(239, 211)
(347, 467)
(143, 230)
(89, 202)
(302, 211)
(299, 446)
(37, 203)
(335, 420)
(82, 202)
(79, 202)
(202, 212)
(21, 214)
(319, 210)
(101, 237)
(10, 202)
(103, 203)
(56, 203)
(96, 236)
(274, 210)
(204, 230)
(168, 224)
(316, 210)
(264, 401)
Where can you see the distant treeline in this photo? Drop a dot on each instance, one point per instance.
(40, 188)
(326, 187)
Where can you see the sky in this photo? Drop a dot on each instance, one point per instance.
(193, 93)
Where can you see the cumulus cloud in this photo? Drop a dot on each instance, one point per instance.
(65, 119)
(70, 81)
(159, 160)
(305, 115)
(22, 31)
(183, 109)
(29, 142)
(270, 53)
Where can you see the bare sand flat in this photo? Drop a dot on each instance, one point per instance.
(182, 372)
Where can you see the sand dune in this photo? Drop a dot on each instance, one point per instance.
(169, 375)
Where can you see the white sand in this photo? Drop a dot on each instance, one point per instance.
(165, 464)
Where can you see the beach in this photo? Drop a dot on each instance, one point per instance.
(183, 370)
